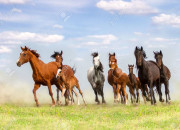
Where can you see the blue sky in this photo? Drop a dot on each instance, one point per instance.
(83, 26)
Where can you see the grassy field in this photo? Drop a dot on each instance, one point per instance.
(92, 116)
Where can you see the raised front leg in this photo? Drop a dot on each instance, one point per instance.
(96, 96)
(36, 87)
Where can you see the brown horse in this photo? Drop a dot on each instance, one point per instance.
(164, 73)
(69, 81)
(137, 85)
(67, 70)
(118, 80)
(43, 74)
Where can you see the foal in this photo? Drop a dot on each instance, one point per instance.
(136, 84)
(165, 74)
(69, 81)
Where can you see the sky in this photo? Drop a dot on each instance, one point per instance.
(81, 27)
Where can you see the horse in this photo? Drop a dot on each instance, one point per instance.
(69, 81)
(148, 73)
(164, 73)
(136, 84)
(43, 74)
(65, 68)
(118, 80)
(96, 77)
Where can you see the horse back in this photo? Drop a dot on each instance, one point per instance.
(167, 72)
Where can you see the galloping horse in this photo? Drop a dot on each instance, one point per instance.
(148, 73)
(118, 80)
(69, 81)
(43, 74)
(164, 72)
(136, 84)
(96, 78)
(67, 70)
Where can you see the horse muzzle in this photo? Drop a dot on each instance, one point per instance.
(18, 64)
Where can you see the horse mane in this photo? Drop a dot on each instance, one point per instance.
(55, 54)
(95, 54)
(32, 51)
(101, 67)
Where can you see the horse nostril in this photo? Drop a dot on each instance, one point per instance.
(18, 64)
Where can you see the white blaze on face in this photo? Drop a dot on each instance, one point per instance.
(58, 71)
(96, 61)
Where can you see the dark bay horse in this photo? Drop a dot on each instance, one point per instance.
(67, 70)
(136, 84)
(148, 73)
(118, 80)
(43, 74)
(96, 77)
(164, 72)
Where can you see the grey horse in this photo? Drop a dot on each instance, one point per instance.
(96, 77)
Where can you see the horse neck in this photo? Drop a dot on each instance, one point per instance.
(131, 76)
(36, 64)
(96, 72)
(114, 70)
(144, 66)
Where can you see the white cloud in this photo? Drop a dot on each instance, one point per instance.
(16, 10)
(11, 37)
(106, 39)
(14, 17)
(4, 49)
(160, 39)
(138, 33)
(136, 7)
(57, 26)
(166, 19)
(13, 1)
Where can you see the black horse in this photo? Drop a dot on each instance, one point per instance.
(148, 73)
(164, 72)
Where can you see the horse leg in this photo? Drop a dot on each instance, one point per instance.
(57, 101)
(167, 91)
(121, 94)
(96, 98)
(117, 92)
(144, 88)
(148, 97)
(114, 89)
(76, 96)
(125, 94)
(51, 94)
(137, 93)
(131, 90)
(158, 86)
(36, 87)
(102, 94)
(77, 86)
(62, 94)
(151, 92)
(70, 92)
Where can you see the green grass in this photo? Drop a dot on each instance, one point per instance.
(118, 116)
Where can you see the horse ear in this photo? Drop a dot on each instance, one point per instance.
(161, 53)
(128, 65)
(133, 65)
(136, 47)
(109, 54)
(154, 53)
(22, 48)
(114, 54)
(141, 48)
(61, 53)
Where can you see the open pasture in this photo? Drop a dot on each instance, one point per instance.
(92, 116)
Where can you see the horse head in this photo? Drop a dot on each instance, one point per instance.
(158, 56)
(96, 61)
(25, 56)
(140, 55)
(112, 61)
(131, 68)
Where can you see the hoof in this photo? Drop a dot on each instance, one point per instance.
(53, 105)
(161, 100)
(37, 105)
(103, 102)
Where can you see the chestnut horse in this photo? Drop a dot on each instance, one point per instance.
(69, 81)
(137, 85)
(43, 74)
(67, 70)
(164, 72)
(118, 80)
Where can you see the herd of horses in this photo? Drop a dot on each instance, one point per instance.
(150, 74)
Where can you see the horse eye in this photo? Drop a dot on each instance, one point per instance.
(24, 54)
